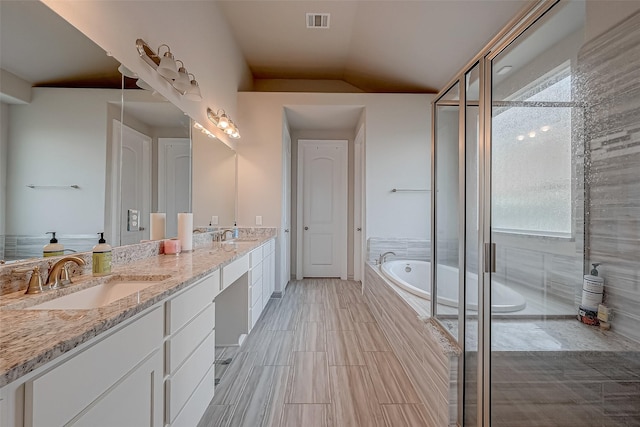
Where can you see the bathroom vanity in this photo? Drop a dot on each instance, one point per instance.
(145, 359)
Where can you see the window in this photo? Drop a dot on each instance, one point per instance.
(531, 158)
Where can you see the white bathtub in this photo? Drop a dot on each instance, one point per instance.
(415, 277)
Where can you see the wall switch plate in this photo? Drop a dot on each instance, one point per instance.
(214, 219)
(258, 219)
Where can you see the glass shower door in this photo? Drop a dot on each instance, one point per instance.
(534, 198)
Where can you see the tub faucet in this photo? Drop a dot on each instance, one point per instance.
(383, 256)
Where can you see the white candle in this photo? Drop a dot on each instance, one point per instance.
(185, 231)
(157, 226)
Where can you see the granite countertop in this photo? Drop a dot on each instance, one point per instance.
(32, 338)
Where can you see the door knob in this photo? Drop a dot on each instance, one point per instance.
(286, 230)
(141, 229)
(359, 229)
(306, 228)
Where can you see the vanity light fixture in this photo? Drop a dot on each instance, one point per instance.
(222, 121)
(183, 82)
(193, 93)
(167, 66)
(545, 128)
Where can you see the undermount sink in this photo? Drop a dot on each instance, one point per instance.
(98, 295)
(241, 239)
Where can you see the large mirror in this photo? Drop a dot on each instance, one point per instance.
(66, 163)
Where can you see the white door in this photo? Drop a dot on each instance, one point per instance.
(174, 180)
(135, 186)
(285, 241)
(322, 179)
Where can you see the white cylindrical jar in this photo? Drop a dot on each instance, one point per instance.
(592, 289)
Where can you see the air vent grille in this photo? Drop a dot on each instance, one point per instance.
(318, 20)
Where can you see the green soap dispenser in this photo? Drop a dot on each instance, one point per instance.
(53, 248)
(101, 259)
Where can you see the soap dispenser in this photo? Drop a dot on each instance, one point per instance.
(236, 233)
(53, 248)
(101, 257)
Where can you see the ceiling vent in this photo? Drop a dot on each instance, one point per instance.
(318, 20)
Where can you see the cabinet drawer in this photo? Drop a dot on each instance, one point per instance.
(57, 396)
(181, 385)
(195, 408)
(181, 309)
(235, 269)
(256, 256)
(271, 246)
(255, 292)
(186, 340)
(254, 314)
(256, 273)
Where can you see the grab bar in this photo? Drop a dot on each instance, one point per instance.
(409, 190)
(76, 186)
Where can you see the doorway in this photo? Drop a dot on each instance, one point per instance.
(322, 209)
(135, 186)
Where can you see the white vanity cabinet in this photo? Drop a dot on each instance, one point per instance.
(261, 279)
(268, 271)
(116, 381)
(190, 352)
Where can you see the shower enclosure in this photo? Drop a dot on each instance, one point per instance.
(536, 175)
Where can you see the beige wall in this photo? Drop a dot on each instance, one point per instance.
(397, 150)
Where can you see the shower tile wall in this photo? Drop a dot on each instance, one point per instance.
(609, 68)
(558, 277)
(404, 248)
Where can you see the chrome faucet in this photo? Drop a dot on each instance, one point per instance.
(223, 234)
(59, 274)
(382, 257)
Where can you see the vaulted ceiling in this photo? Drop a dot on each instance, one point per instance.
(376, 46)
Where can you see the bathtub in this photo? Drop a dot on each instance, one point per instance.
(415, 277)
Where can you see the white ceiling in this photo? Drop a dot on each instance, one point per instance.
(377, 46)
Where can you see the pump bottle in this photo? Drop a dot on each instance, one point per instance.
(53, 248)
(101, 257)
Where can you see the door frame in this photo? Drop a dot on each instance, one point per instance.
(358, 205)
(300, 205)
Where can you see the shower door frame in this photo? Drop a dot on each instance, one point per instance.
(486, 250)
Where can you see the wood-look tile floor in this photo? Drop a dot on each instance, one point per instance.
(316, 357)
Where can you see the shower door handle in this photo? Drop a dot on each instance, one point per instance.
(489, 257)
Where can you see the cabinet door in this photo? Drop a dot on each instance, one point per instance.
(134, 401)
(75, 386)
